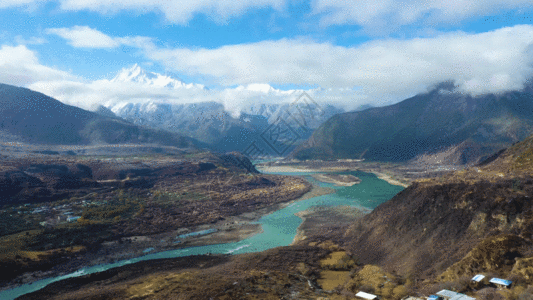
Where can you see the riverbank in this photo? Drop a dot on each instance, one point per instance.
(229, 230)
(400, 174)
(395, 179)
(318, 220)
(388, 178)
(296, 169)
(279, 230)
(337, 179)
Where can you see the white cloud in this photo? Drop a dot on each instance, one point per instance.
(109, 93)
(495, 61)
(179, 12)
(382, 72)
(31, 41)
(20, 66)
(84, 37)
(134, 85)
(375, 16)
(88, 95)
(388, 15)
(18, 3)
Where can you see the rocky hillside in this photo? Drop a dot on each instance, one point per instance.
(31, 117)
(439, 127)
(478, 220)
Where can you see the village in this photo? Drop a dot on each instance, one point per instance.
(478, 282)
(50, 214)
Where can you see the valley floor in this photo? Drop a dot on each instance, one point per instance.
(67, 212)
(401, 174)
(436, 234)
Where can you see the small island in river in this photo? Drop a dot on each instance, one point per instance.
(337, 179)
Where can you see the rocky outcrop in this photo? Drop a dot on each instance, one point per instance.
(237, 160)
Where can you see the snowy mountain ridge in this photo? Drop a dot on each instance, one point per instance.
(212, 121)
(139, 75)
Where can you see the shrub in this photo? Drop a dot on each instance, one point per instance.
(399, 292)
(489, 294)
(526, 294)
(367, 288)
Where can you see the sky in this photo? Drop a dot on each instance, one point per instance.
(345, 53)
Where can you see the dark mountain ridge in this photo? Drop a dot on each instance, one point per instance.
(32, 117)
(440, 126)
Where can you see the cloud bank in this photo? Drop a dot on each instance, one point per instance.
(235, 100)
(20, 66)
(86, 37)
(377, 16)
(389, 15)
(378, 72)
(177, 12)
(490, 62)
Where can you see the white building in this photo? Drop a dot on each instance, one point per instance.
(501, 283)
(449, 295)
(366, 296)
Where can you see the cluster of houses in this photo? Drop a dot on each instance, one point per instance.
(446, 294)
(50, 215)
(63, 213)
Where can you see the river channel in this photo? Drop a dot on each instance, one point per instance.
(279, 227)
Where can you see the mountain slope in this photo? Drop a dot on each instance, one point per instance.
(446, 127)
(473, 221)
(32, 117)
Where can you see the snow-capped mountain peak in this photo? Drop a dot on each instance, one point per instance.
(137, 74)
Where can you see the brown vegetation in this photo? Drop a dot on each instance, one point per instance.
(120, 198)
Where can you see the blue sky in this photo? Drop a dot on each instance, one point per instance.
(382, 50)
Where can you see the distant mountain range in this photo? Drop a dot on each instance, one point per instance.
(439, 127)
(210, 122)
(32, 117)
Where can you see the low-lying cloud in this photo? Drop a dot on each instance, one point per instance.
(109, 93)
(378, 72)
(490, 62)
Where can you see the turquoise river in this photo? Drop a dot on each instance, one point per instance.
(279, 227)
